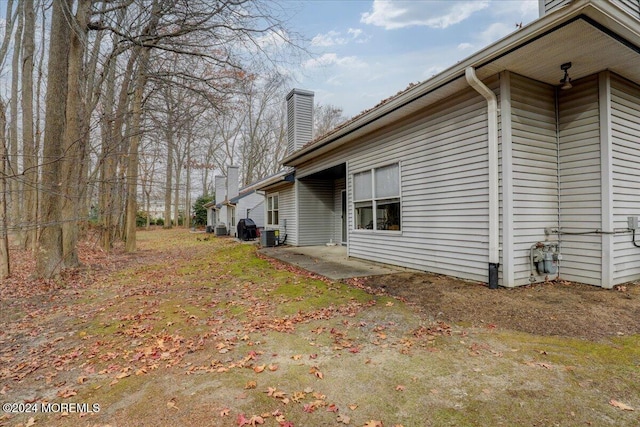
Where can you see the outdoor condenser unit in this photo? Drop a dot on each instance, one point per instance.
(268, 238)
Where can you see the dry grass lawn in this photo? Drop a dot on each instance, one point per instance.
(197, 330)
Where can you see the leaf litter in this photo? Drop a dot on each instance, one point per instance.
(100, 330)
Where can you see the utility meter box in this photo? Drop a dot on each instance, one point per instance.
(632, 222)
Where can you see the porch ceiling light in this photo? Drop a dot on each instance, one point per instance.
(566, 80)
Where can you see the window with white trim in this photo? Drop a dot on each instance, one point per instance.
(272, 210)
(376, 196)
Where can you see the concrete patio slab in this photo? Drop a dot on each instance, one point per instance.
(328, 261)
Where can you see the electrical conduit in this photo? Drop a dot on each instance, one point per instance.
(492, 130)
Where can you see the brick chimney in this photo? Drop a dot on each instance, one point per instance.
(299, 119)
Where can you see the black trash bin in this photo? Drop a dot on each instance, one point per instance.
(247, 229)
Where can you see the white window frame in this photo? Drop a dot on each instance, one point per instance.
(271, 211)
(374, 200)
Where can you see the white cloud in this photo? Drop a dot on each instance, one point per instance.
(525, 10)
(435, 14)
(332, 59)
(336, 38)
(355, 32)
(273, 39)
(332, 38)
(465, 46)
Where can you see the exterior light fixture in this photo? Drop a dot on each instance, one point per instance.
(566, 80)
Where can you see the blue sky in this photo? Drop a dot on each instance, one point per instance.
(367, 50)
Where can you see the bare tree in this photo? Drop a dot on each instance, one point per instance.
(29, 147)
(14, 165)
(5, 269)
(49, 255)
(326, 118)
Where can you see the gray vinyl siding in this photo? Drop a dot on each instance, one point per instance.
(534, 169)
(547, 6)
(339, 186)
(299, 119)
(253, 202)
(625, 120)
(286, 213)
(580, 182)
(444, 190)
(632, 7)
(315, 211)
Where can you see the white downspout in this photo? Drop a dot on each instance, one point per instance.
(494, 188)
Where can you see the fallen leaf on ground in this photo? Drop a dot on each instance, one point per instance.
(620, 405)
(30, 422)
(172, 405)
(67, 392)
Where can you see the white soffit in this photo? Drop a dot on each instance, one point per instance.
(586, 47)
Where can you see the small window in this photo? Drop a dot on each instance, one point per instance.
(272, 210)
(376, 194)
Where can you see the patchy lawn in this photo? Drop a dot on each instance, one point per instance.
(197, 330)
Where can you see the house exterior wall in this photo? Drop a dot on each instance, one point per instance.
(211, 216)
(632, 7)
(223, 216)
(287, 212)
(315, 212)
(580, 181)
(442, 154)
(625, 136)
(339, 185)
(534, 170)
(253, 202)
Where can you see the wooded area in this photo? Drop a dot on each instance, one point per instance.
(111, 106)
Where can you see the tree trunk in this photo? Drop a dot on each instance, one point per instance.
(75, 141)
(169, 173)
(111, 143)
(49, 254)
(14, 184)
(5, 269)
(30, 161)
(132, 165)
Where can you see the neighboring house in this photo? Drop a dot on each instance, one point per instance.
(249, 204)
(221, 211)
(464, 173)
(232, 204)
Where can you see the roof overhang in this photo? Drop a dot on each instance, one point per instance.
(593, 36)
(286, 177)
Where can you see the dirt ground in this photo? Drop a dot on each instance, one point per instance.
(551, 309)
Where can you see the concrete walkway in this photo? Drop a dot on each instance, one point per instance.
(327, 261)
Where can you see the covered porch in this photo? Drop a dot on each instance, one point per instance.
(322, 207)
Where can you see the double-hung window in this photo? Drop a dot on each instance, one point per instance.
(272, 210)
(376, 195)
